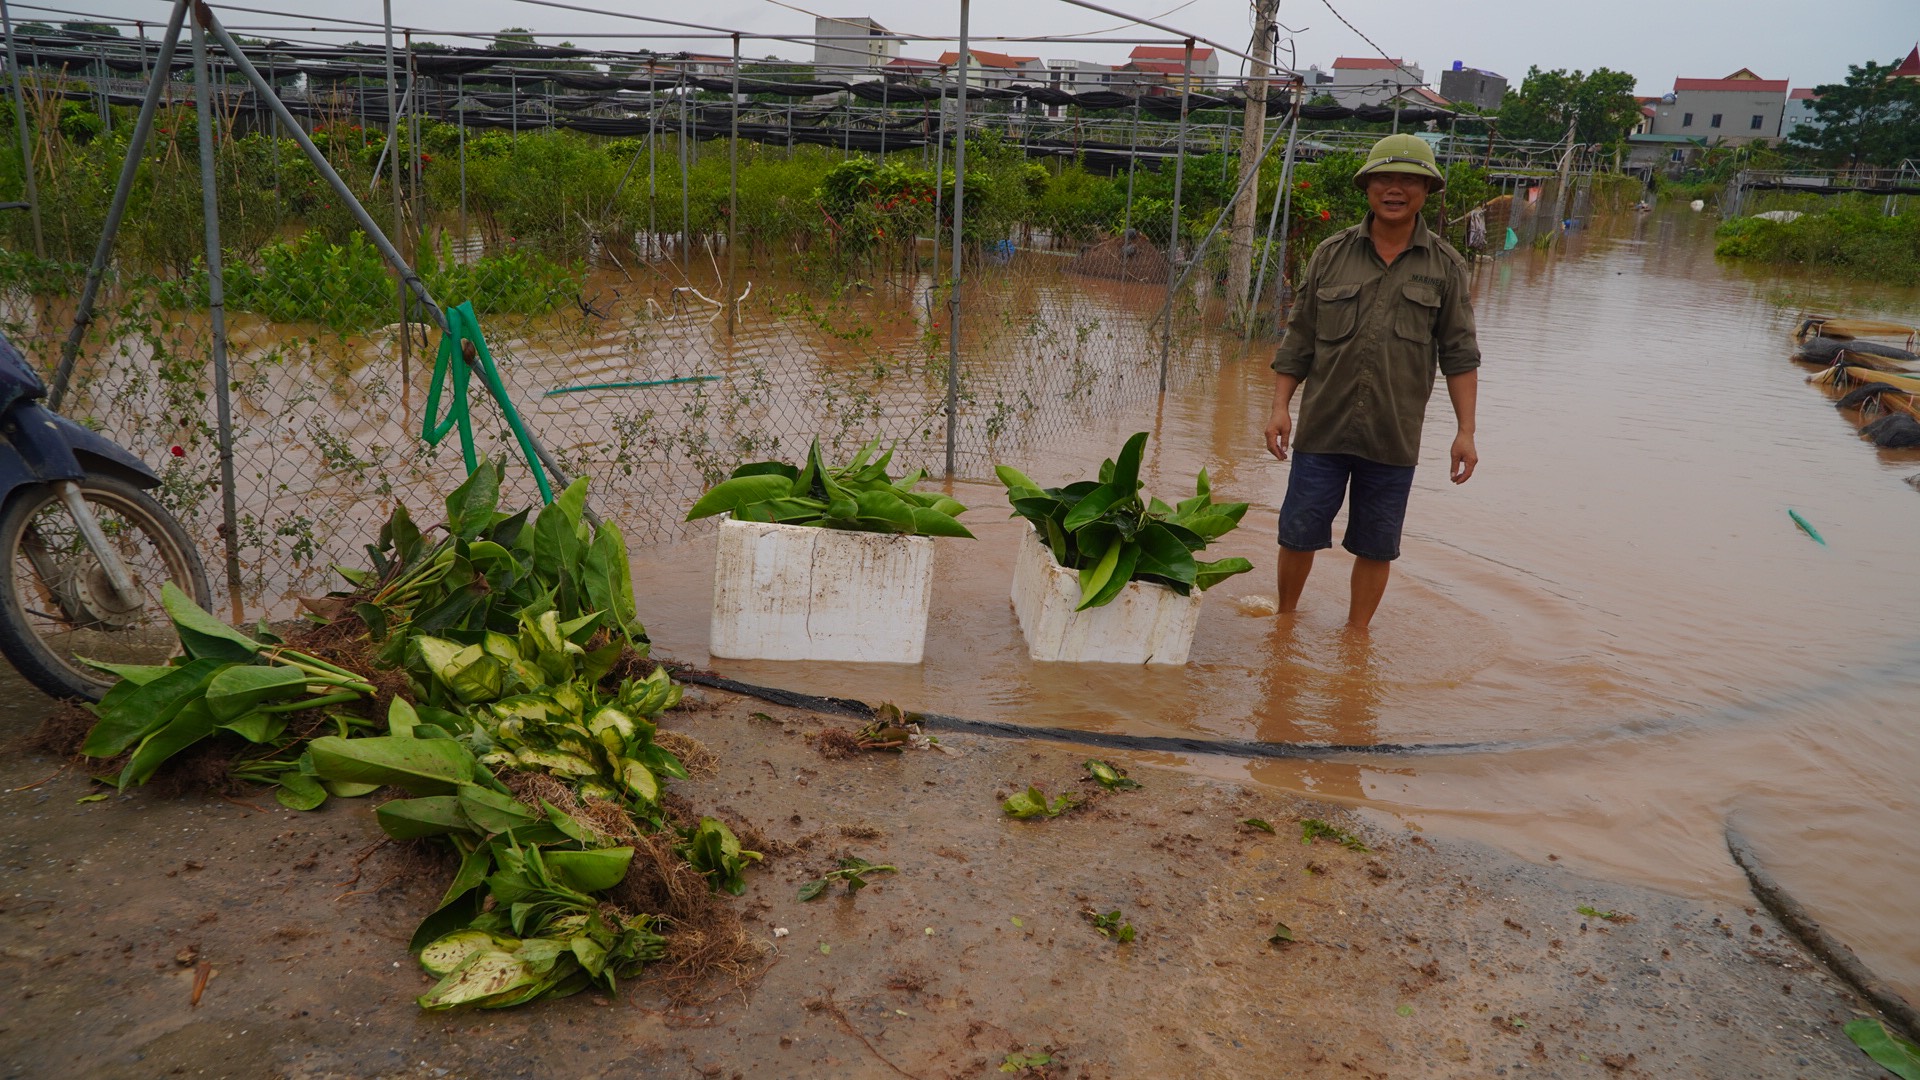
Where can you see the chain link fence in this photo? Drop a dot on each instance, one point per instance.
(661, 308)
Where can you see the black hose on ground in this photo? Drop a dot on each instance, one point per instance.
(1105, 739)
(1810, 933)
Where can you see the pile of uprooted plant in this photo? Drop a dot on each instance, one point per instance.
(493, 673)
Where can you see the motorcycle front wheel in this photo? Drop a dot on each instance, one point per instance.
(55, 602)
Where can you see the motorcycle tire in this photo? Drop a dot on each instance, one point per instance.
(55, 603)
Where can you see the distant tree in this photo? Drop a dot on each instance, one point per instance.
(33, 29)
(1600, 105)
(91, 28)
(1869, 120)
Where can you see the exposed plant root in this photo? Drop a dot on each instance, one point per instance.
(836, 743)
(704, 932)
(700, 762)
(63, 729)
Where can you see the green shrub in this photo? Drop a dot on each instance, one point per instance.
(1850, 236)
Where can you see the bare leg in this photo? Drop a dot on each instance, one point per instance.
(1294, 568)
(1369, 585)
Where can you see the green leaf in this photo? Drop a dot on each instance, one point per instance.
(298, 791)
(1097, 502)
(1259, 823)
(256, 727)
(1016, 481)
(131, 711)
(1126, 468)
(485, 974)
(729, 495)
(1094, 578)
(237, 689)
(1162, 554)
(202, 635)
(572, 503)
(1109, 777)
(1897, 1055)
(930, 522)
(429, 815)
(189, 725)
(492, 812)
(376, 619)
(470, 506)
(609, 581)
(768, 468)
(590, 871)
(1117, 578)
(1207, 575)
(1281, 932)
(418, 766)
(812, 889)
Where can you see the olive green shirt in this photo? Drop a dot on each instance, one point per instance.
(1365, 339)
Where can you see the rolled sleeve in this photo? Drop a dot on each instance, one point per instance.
(1458, 342)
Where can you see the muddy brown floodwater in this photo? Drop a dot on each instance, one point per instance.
(1617, 605)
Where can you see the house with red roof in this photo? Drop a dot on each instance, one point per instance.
(1910, 67)
(1371, 80)
(1740, 108)
(1159, 57)
(1799, 112)
(997, 69)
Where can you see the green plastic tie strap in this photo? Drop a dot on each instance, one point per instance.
(451, 367)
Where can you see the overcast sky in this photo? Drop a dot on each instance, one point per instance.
(1655, 40)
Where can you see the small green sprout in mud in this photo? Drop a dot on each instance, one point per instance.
(1015, 1063)
(1034, 803)
(852, 870)
(1111, 777)
(1282, 933)
(713, 850)
(1897, 1055)
(1610, 916)
(1110, 925)
(1262, 824)
(1312, 829)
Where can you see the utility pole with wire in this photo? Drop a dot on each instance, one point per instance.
(1252, 147)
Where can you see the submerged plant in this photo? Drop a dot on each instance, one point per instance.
(1111, 535)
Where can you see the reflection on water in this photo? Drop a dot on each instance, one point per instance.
(1618, 597)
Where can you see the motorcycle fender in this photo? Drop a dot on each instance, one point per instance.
(40, 447)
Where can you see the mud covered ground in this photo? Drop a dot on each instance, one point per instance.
(1419, 958)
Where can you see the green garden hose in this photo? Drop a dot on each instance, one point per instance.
(453, 365)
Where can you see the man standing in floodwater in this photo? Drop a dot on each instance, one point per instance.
(1383, 306)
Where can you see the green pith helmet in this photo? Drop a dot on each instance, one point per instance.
(1402, 153)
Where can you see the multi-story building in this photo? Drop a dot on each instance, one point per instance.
(1205, 62)
(998, 69)
(1463, 85)
(1799, 111)
(848, 46)
(1370, 80)
(1739, 109)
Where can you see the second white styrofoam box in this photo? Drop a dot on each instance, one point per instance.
(1147, 623)
(794, 592)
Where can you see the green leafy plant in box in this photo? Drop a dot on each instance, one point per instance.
(488, 570)
(1111, 534)
(856, 496)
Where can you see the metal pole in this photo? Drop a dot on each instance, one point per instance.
(340, 188)
(1273, 217)
(1133, 159)
(1173, 238)
(460, 110)
(653, 125)
(733, 186)
(686, 203)
(1221, 218)
(217, 318)
(20, 125)
(939, 193)
(959, 209)
(1286, 208)
(103, 251)
(399, 221)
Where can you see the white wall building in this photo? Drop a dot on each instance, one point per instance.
(840, 48)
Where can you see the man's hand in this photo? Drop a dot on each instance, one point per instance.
(1465, 457)
(1280, 426)
(1279, 432)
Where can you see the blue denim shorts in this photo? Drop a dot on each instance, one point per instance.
(1317, 486)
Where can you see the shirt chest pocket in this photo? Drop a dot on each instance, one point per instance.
(1337, 313)
(1417, 312)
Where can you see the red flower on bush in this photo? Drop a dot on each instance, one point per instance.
(1326, 215)
(177, 451)
(1304, 185)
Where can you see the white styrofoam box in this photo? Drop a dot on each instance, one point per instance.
(795, 592)
(1147, 623)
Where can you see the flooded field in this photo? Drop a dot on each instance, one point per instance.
(1617, 606)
